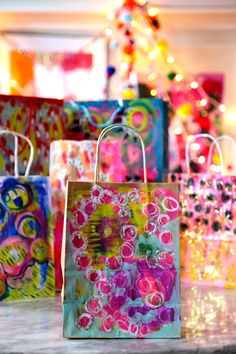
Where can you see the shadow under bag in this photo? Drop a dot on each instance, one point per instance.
(121, 258)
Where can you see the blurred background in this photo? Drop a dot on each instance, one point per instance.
(180, 50)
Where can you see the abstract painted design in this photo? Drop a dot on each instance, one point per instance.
(85, 120)
(208, 228)
(75, 160)
(26, 253)
(40, 119)
(122, 261)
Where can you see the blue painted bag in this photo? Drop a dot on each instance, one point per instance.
(26, 245)
(148, 117)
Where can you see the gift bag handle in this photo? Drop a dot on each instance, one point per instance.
(31, 157)
(125, 128)
(194, 137)
(220, 138)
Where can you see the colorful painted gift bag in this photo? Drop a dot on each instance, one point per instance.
(208, 225)
(40, 119)
(148, 117)
(121, 258)
(26, 245)
(75, 160)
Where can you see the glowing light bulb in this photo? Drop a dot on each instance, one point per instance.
(179, 77)
(153, 11)
(194, 85)
(111, 16)
(230, 116)
(201, 159)
(178, 130)
(222, 108)
(148, 31)
(153, 92)
(195, 146)
(108, 32)
(203, 102)
(170, 59)
(152, 76)
(152, 55)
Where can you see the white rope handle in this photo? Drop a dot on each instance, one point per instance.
(31, 157)
(220, 138)
(125, 128)
(194, 137)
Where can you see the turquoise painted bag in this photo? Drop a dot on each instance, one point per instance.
(121, 258)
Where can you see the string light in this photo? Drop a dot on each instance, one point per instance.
(222, 108)
(203, 102)
(153, 11)
(152, 76)
(230, 116)
(178, 130)
(108, 32)
(111, 16)
(194, 85)
(148, 31)
(201, 159)
(179, 77)
(170, 59)
(195, 146)
(153, 92)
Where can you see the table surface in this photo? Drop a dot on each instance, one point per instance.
(208, 326)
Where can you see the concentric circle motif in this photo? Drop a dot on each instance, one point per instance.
(151, 210)
(78, 241)
(163, 220)
(93, 305)
(134, 195)
(82, 261)
(150, 227)
(84, 321)
(94, 276)
(88, 206)
(170, 204)
(166, 237)
(127, 250)
(95, 193)
(137, 118)
(165, 259)
(129, 232)
(121, 199)
(114, 263)
(107, 197)
(79, 218)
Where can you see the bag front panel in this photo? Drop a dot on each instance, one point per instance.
(147, 116)
(26, 249)
(122, 261)
(208, 228)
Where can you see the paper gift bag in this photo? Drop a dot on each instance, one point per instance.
(26, 245)
(75, 160)
(121, 258)
(40, 119)
(148, 117)
(207, 225)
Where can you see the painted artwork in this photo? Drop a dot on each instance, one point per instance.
(26, 249)
(75, 160)
(207, 228)
(40, 119)
(122, 261)
(85, 121)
